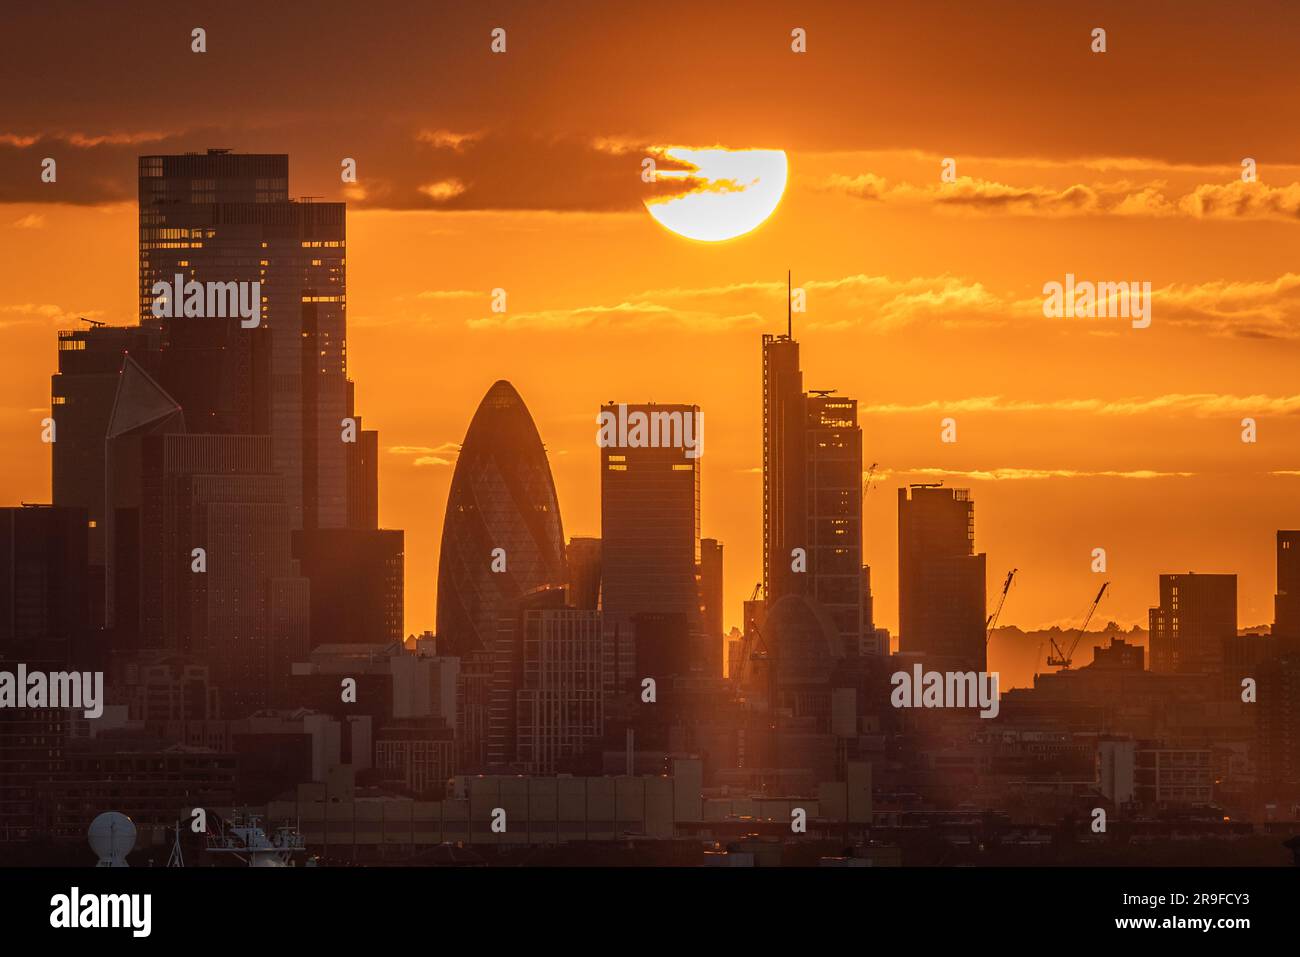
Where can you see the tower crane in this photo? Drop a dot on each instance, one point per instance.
(992, 621)
(1064, 659)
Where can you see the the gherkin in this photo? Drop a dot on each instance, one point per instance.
(502, 496)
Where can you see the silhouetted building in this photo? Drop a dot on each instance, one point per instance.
(141, 408)
(241, 604)
(812, 492)
(356, 577)
(784, 468)
(501, 512)
(1196, 614)
(833, 447)
(44, 595)
(547, 710)
(584, 572)
(81, 402)
(1286, 604)
(711, 592)
(218, 217)
(1118, 655)
(650, 527)
(1278, 722)
(941, 609)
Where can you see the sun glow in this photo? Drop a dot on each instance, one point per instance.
(737, 192)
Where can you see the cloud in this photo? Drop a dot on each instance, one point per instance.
(27, 312)
(30, 221)
(1264, 309)
(1202, 404)
(1241, 200)
(444, 448)
(1019, 474)
(1233, 200)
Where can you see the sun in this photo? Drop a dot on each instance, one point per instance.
(740, 189)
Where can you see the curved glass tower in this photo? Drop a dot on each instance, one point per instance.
(502, 496)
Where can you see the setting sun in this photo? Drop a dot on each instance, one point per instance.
(740, 190)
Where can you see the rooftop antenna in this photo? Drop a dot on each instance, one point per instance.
(789, 307)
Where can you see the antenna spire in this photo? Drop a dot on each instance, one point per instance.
(789, 307)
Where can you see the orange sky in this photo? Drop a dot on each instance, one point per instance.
(923, 299)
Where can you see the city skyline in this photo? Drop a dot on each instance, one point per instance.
(1073, 434)
(753, 435)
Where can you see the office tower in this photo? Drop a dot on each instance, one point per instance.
(784, 500)
(44, 594)
(244, 608)
(649, 525)
(1196, 614)
(812, 492)
(584, 572)
(81, 401)
(941, 608)
(833, 484)
(363, 479)
(869, 646)
(356, 577)
(219, 373)
(711, 592)
(141, 408)
(225, 218)
(1286, 604)
(1277, 727)
(502, 514)
(547, 697)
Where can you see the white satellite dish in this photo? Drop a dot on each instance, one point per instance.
(111, 836)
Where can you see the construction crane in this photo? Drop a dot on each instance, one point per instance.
(93, 322)
(866, 485)
(1063, 659)
(997, 612)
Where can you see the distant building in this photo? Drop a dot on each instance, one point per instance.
(1286, 604)
(44, 593)
(941, 601)
(501, 511)
(650, 537)
(1277, 729)
(812, 493)
(225, 217)
(81, 403)
(1196, 613)
(711, 613)
(247, 611)
(1118, 655)
(356, 577)
(584, 572)
(1173, 777)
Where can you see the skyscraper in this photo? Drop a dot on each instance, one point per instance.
(941, 609)
(44, 597)
(833, 449)
(225, 218)
(711, 591)
(1196, 614)
(650, 529)
(244, 609)
(1286, 604)
(502, 534)
(584, 572)
(784, 499)
(812, 492)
